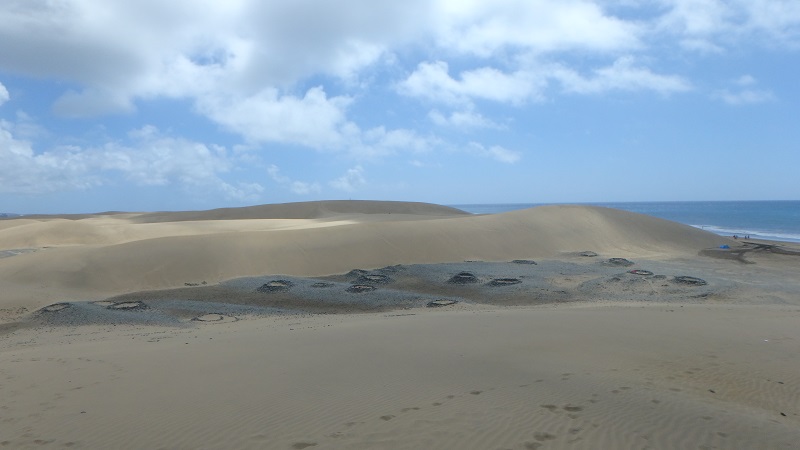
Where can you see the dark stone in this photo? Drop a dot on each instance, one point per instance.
(128, 306)
(360, 288)
(373, 278)
(276, 286)
(693, 281)
(620, 262)
(463, 278)
(55, 307)
(645, 273)
(504, 281)
(440, 303)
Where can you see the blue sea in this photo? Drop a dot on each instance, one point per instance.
(772, 220)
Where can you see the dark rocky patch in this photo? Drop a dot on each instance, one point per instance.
(322, 284)
(588, 254)
(524, 261)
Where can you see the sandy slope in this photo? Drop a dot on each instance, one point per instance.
(636, 362)
(96, 257)
(601, 377)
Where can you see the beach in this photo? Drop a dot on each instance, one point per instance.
(394, 325)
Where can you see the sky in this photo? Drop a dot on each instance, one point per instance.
(197, 104)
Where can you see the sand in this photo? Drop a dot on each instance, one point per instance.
(238, 328)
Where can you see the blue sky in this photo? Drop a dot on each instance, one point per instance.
(151, 105)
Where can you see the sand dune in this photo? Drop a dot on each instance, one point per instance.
(115, 334)
(105, 255)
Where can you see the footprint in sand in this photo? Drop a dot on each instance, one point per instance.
(302, 445)
(387, 417)
(541, 437)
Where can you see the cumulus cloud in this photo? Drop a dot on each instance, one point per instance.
(431, 81)
(462, 119)
(280, 72)
(495, 152)
(298, 187)
(540, 26)
(150, 159)
(351, 181)
(744, 91)
(4, 97)
(313, 120)
(622, 75)
(714, 25)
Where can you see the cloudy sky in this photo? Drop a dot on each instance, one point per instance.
(195, 104)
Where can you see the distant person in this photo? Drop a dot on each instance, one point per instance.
(735, 237)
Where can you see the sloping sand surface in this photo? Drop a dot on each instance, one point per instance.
(101, 256)
(554, 327)
(605, 377)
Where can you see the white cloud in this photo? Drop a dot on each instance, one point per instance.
(432, 81)
(713, 25)
(151, 160)
(745, 80)
(4, 97)
(745, 92)
(495, 152)
(350, 181)
(313, 120)
(485, 28)
(298, 187)
(462, 119)
(622, 75)
(745, 96)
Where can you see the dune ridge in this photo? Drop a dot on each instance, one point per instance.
(107, 255)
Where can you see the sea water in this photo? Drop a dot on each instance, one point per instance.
(773, 220)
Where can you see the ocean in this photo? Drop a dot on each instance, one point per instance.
(772, 220)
